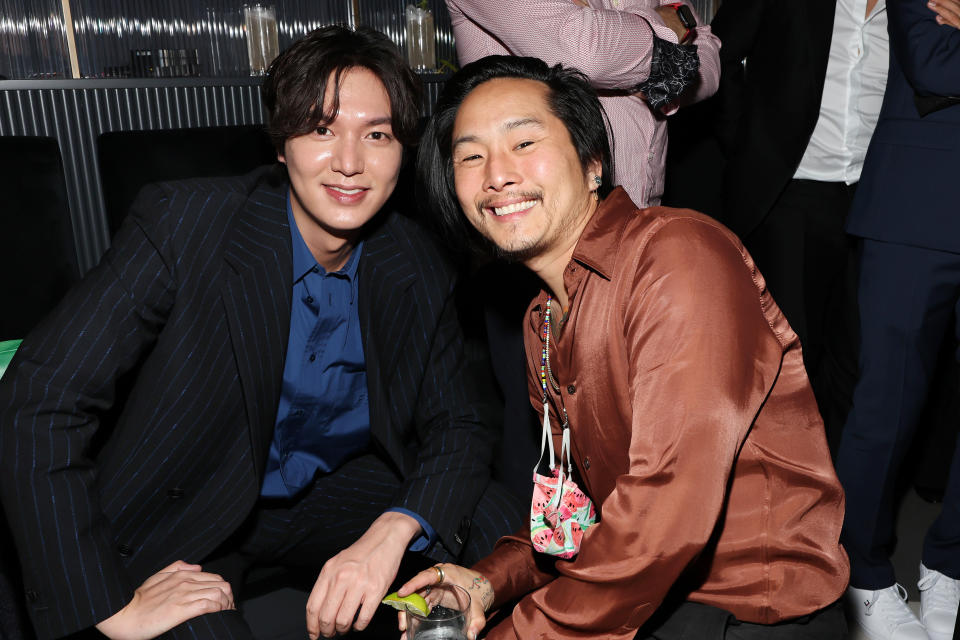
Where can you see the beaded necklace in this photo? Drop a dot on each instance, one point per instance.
(545, 371)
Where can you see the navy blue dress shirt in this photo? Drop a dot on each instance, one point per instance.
(323, 418)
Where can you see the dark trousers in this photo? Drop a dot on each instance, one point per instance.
(809, 264)
(338, 508)
(907, 298)
(695, 621)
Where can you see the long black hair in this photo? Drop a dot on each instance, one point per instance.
(570, 98)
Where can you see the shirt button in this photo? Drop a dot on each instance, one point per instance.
(315, 269)
(571, 389)
(313, 357)
(586, 463)
(309, 299)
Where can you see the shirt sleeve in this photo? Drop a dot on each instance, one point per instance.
(427, 538)
(704, 360)
(613, 48)
(929, 53)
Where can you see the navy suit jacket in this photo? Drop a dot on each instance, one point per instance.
(909, 187)
(136, 419)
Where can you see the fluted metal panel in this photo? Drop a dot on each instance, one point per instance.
(77, 115)
(77, 112)
(33, 41)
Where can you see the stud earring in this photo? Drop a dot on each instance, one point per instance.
(597, 180)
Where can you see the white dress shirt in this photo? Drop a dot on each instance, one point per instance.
(852, 94)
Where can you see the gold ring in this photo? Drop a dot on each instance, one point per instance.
(439, 571)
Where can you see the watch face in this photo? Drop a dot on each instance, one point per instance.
(686, 16)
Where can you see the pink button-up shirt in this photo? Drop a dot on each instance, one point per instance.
(612, 42)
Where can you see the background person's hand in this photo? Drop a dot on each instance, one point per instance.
(948, 12)
(479, 588)
(169, 597)
(358, 577)
(672, 20)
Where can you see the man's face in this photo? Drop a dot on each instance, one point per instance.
(342, 173)
(517, 174)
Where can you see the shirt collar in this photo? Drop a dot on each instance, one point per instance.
(303, 260)
(599, 243)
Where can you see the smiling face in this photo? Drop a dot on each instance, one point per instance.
(342, 173)
(517, 174)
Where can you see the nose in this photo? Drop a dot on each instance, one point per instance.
(347, 157)
(501, 172)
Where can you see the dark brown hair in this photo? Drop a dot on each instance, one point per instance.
(296, 82)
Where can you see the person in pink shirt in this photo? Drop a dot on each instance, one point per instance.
(615, 43)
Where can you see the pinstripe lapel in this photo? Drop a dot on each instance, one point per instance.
(257, 297)
(386, 273)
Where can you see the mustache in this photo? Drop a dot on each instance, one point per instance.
(524, 195)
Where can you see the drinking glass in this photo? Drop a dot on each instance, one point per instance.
(262, 45)
(421, 39)
(447, 619)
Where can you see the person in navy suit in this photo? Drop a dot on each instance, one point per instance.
(906, 213)
(265, 369)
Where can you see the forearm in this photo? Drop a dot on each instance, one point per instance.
(613, 48)
(708, 50)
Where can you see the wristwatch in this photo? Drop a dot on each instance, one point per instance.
(686, 17)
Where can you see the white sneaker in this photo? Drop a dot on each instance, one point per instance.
(884, 615)
(939, 599)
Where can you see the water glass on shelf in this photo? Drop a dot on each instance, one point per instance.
(260, 21)
(421, 39)
(447, 619)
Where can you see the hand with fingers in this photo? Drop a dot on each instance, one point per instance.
(479, 588)
(948, 12)
(169, 597)
(352, 583)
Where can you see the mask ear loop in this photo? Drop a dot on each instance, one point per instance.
(564, 450)
(546, 439)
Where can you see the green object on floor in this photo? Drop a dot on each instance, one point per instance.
(7, 349)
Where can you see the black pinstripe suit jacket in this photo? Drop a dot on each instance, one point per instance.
(136, 419)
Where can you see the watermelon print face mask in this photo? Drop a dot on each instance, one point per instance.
(560, 511)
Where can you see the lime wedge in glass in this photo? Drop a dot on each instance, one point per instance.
(414, 603)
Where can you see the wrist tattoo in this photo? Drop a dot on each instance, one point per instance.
(481, 584)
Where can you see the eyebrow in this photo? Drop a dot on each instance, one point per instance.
(509, 125)
(373, 122)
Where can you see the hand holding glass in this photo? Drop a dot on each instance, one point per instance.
(448, 617)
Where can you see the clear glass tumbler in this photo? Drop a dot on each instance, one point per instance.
(260, 21)
(447, 619)
(421, 39)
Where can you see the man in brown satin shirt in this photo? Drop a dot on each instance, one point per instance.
(694, 429)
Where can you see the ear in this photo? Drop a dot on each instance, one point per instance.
(281, 158)
(594, 168)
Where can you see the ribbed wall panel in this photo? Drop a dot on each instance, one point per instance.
(77, 112)
(77, 115)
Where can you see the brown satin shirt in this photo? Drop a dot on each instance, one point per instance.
(694, 430)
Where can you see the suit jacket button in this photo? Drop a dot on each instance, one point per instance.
(175, 494)
(586, 463)
(32, 595)
(124, 551)
(571, 389)
(465, 523)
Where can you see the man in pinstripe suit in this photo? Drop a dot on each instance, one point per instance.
(261, 369)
